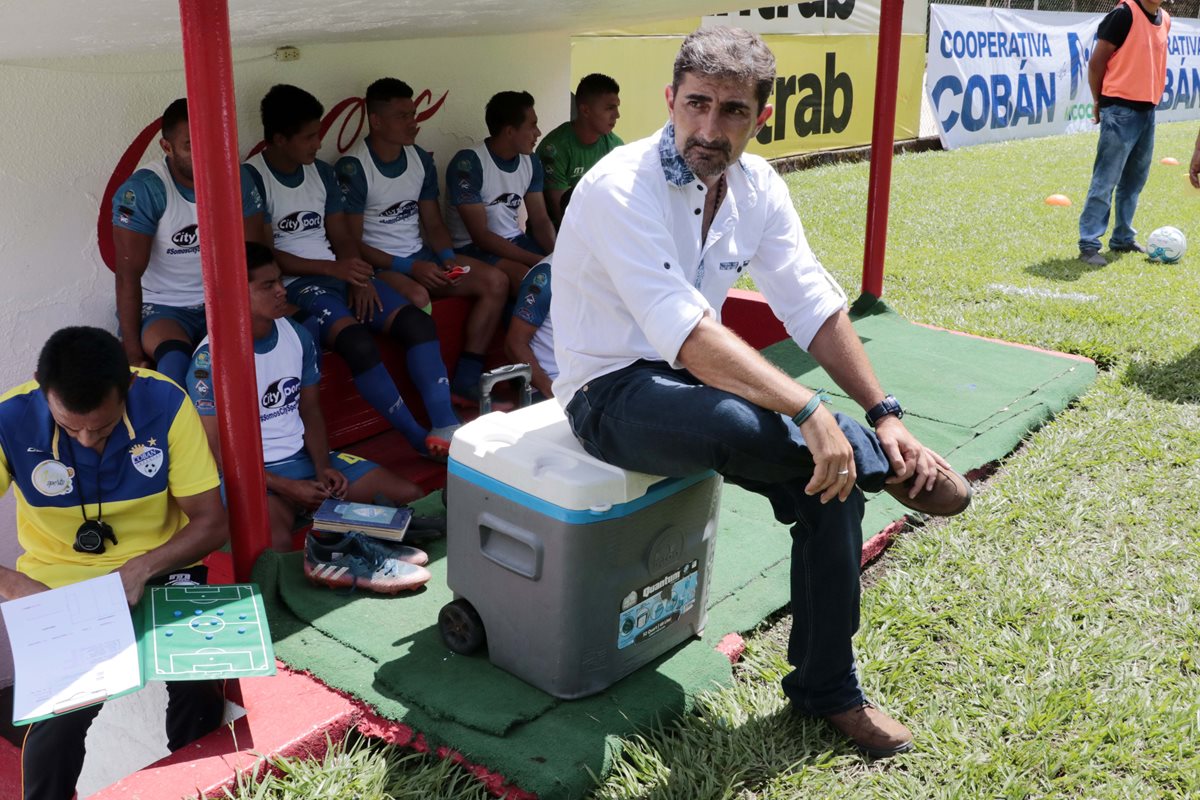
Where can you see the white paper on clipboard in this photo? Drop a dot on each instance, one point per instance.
(72, 647)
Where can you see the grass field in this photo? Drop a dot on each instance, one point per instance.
(1045, 644)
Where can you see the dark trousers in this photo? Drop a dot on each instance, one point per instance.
(52, 754)
(651, 418)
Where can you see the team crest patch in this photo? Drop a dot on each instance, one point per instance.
(52, 478)
(539, 279)
(146, 460)
(203, 359)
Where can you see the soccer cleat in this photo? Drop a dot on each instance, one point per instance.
(1092, 258)
(1132, 247)
(354, 561)
(437, 443)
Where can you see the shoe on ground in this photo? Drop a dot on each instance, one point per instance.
(1132, 247)
(404, 552)
(425, 529)
(872, 731)
(1092, 258)
(355, 561)
(950, 495)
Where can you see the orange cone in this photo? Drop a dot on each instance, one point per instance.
(1058, 200)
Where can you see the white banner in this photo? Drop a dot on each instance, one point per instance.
(995, 74)
(819, 17)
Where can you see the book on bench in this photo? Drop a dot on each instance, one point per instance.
(381, 522)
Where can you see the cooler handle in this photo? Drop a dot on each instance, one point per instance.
(510, 546)
(509, 372)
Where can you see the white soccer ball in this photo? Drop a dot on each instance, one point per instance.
(1166, 244)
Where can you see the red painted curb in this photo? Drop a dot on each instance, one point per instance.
(291, 715)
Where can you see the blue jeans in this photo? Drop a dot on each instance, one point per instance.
(651, 418)
(1122, 161)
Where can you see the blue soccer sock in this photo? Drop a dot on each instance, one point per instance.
(466, 374)
(172, 358)
(427, 371)
(377, 388)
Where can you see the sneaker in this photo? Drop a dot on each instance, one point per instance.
(950, 495)
(425, 529)
(1132, 247)
(353, 561)
(1092, 258)
(403, 552)
(872, 731)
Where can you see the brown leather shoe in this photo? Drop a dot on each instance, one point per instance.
(950, 495)
(874, 732)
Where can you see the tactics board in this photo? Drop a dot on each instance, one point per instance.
(192, 633)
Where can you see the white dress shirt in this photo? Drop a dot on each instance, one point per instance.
(632, 277)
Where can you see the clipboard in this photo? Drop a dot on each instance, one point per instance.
(80, 645)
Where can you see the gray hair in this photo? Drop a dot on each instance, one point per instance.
(732, 53)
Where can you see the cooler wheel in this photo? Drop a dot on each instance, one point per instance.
(461, 627)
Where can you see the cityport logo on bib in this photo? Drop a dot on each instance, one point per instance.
(186, 240)
(399, 212)
(147, 459)
(186, 237)
(299, 221)
(508, 199)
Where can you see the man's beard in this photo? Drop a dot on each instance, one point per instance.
(706, 163)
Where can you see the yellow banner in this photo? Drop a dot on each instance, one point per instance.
(824, 93)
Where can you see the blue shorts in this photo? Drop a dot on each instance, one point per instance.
(324, 299)
(424, 254)
(190, 318)
(300, 467)
(522, 241)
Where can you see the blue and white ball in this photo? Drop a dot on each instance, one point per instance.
(1166, 244)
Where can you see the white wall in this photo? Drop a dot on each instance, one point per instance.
(66, 124)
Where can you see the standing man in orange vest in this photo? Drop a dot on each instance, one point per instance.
(1127, 73)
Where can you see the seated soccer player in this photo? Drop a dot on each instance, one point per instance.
(530, 338)
(488, 185)
(571, 149)
(301, 470)
(327, 279)
(391, 191)
(160, 291)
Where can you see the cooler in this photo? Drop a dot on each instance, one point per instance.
(577, 572)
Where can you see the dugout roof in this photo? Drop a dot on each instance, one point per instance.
(67, 28)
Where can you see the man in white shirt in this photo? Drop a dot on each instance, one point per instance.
(655, 236)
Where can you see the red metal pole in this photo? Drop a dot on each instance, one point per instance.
(883, 137)
(208, 65)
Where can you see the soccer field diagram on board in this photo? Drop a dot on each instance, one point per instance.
(201, 632)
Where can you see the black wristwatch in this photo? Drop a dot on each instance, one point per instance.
(889, 407)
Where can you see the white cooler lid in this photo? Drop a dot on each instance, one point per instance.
(533, 450)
